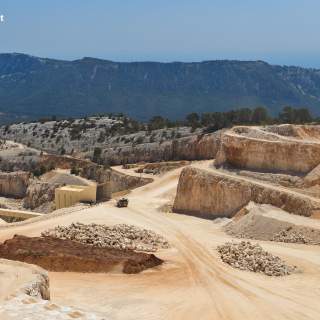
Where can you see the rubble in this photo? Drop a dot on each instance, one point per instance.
(251, 257)
(268, 223)
(292, 237)
(121, 236)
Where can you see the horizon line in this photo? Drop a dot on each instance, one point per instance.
(158, 61)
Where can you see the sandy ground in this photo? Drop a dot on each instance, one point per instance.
(193, 283)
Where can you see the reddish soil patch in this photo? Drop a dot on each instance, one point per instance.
(65, 255)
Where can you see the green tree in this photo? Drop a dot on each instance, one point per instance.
(302, 116)
(157, 122)
(193, 120)
(259, 115)
(96, 154)
(287, 115)
(243, 116)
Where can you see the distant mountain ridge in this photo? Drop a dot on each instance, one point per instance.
(32, 87)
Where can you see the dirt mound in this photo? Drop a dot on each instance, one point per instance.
(264, 222)
(120, 236)
(65, 255)
(251, 257)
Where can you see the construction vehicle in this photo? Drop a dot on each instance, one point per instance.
(122, 203)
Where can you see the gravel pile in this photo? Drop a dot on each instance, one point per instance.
(291, 237)
(251, 257)
(121, 236)
(265, 222)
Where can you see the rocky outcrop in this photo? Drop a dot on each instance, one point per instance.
(39, 193)
(117, 180)
(195, 147)
(59, 255)
(120, 181)
(39, 287)
(212, 194)
(62, 162)
(313, 177)
(255, 149)
(14, 184)
(38, 283)
(96, 173)
(15, 157)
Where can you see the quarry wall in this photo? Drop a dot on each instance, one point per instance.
(274, 156)
(117, 181)
(196, 147)
(14, 184)
(211, 195)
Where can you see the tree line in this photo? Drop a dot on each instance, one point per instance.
(210, 121)
(213, 121)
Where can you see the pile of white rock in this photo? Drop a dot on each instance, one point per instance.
(121, 236)
(251, 257)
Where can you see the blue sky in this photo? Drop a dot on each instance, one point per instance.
(277, 31)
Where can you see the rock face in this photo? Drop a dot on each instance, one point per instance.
(313, 177)
(62, 162)
(118, 181)
(213, 194)
(39, 193)
(259, 149)
(251, 257)
(14, 184)
(59, 255)
(195, 147)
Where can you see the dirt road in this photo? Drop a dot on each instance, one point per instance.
(193, 283)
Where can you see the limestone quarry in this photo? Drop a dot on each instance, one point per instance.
(240, 242)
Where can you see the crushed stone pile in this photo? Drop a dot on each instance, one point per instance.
(264, 222)
(251, 257)
(289, 236)
(121, 236)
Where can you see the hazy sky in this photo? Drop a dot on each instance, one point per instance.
(278, 31)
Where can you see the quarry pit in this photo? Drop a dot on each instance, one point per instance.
(268, 196)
